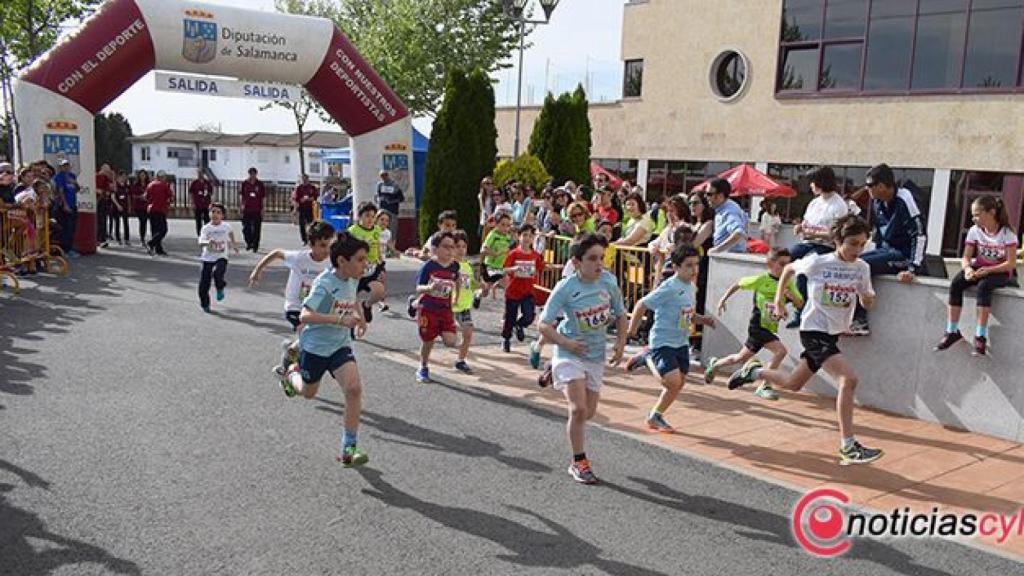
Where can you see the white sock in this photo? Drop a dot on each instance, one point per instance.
(847, 443)
(296, 379)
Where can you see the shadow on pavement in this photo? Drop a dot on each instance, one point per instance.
(20, 555)
(557, 548)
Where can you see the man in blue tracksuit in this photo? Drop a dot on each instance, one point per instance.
(899, 235)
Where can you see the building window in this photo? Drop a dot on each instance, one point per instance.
(728, 75)
(212, 155)
(633, 79)
(144, 153)
(287, 159)
(314, 166)
(900, 46)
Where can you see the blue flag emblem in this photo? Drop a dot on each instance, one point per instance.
(200, 42)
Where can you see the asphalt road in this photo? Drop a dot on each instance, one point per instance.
(141, 436)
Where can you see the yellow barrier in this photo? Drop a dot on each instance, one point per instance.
(17, 249)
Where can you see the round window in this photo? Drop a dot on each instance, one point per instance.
(729, 74)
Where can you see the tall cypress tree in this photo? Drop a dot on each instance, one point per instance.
(463, 147)
(561, 137)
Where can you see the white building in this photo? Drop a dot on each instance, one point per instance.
(229, 156)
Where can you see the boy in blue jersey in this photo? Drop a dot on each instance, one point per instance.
(331, 315)
(673, 304)
(588, 300)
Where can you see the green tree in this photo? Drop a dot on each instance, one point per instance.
(413, 44)
(526, 168)
(561, 137)
(28, 28)
(112, 131)
(462, 151)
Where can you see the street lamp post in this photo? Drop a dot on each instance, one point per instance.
(516, 10)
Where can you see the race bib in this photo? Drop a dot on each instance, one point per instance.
(444, 289)
(685, 318)
(304, 288)
(344, 308)
(593, 318)
(526, 269)
(465, 281)
(837, 295)
(218, 245)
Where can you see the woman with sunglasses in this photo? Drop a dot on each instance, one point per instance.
(580, 218)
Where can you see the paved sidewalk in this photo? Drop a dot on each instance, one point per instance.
(792, 441)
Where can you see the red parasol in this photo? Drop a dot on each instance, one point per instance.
(613, 180)
(748, 181)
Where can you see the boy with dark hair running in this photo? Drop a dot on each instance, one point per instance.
(673, 303)
(303, 268)
(764, 327)
(215, 237)
(437, 284)
(371, 286)
(834, 282)
(588, 301)
(523, 266)
(331, 316)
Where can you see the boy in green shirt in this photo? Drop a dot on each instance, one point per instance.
(496, 246)
(763, 330)
(463, 304)
(371, 285)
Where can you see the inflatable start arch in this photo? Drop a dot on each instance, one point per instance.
(57, 96)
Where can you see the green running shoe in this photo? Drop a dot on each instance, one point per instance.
(709, 370)
(352, 457)
(766, 391)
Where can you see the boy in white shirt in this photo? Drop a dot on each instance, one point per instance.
(835, 282)
(216, 237)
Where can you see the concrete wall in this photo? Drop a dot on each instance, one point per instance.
(897, 368)
(678, 117)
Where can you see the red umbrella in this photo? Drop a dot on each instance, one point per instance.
(748, 181)
(595, 169)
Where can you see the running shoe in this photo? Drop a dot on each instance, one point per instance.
(367, 312)
(207, 309)
(463, 367)
(857, 454)
(506, 345)
(743, 375)
(534, 356)
(657, 423)
(980, 346)
(766, 391)
(423, 376)
(637, 360)
(545, 379)
(709, 370)
(220, 294)
(581, 472)
(383, 307)
(284, 379)
(353, 456)
(859, 328)
(520, 333)
(948, 339)
(411, 309)
(476, 301)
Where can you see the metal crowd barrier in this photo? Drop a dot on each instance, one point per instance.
(16, 250)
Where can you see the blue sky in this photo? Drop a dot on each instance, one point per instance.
(582, 41)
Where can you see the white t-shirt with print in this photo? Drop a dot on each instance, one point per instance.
(989, 249)
(302, 270)
(832, 287)
(216, 241)
(821, 213)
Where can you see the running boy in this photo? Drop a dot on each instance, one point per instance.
(834, 282)
(303, 267)
(493, 252)
(764, 328)
(523, 266)
(216, 237)
(462, 307)
(371, 285)
(673, 304)
(438, 285)
(447, 221)
(331, 315)
(589, 300)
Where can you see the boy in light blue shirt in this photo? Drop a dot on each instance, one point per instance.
(589, 301)
(673, 303)
(331, 315)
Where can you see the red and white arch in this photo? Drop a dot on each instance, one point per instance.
(57, 96)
